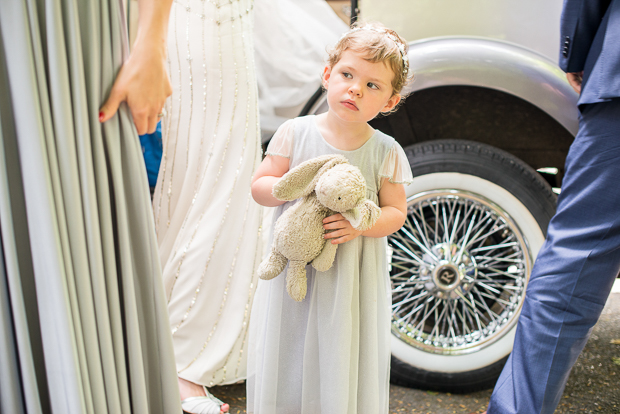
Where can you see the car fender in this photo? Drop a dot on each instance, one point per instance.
(489, 63)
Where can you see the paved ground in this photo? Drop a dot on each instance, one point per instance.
(593, 386)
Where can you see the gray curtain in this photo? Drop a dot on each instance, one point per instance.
(83, 318)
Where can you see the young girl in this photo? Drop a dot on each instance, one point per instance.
(330, 353)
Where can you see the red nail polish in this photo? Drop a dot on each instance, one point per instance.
(100, 116)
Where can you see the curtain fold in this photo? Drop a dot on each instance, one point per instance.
(10, 384)
(19, 274)
(85, 320)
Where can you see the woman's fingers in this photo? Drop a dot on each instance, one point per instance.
(140, 120)
(143, 83)
(110, 107)
(146, 120)
(152, 123)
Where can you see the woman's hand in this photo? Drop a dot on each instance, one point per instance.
(143, 80)
(144, 84)
(340, 229)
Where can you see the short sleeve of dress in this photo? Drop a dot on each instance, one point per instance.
(396, 166)
(282, 141)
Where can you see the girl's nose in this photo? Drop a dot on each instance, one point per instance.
(355, 90)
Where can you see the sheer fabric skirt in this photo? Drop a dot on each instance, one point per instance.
(331, 352)
(207, 222)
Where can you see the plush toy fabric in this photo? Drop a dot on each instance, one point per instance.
(328, 185)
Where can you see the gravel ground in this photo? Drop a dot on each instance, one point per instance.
(593, 386)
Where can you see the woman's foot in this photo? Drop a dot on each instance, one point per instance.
(206, 405)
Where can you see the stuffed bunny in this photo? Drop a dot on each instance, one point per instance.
(328, 185)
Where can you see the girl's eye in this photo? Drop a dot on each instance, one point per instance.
(347, 75)
(372, 85)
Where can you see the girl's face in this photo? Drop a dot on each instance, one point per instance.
(357, 90)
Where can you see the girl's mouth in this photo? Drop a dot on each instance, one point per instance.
(350, 104)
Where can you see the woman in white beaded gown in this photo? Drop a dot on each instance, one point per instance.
(207, 223)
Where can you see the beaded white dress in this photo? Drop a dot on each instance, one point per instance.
(329, 353)
(207, 222)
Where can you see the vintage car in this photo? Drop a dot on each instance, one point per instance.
(486, 125)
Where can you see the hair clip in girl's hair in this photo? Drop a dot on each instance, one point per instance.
(400, 45)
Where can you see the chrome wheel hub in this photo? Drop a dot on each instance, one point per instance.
(458, 268)
(446, 270)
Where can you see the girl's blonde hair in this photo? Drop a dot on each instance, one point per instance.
(377, 44)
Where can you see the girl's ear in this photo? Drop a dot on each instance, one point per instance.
(301, 180)
(364, 215)
(327, 73)
(391, 103)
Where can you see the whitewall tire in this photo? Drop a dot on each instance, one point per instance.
(477, 217)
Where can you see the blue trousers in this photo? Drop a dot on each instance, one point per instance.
(574, 271)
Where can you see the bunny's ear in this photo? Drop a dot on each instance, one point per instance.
(301, 180)
(364, 215)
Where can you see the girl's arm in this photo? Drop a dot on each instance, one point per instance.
(393, 203)
(143, 79)
(267, 174)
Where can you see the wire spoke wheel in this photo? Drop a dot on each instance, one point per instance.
(459, 267)
(458, 271)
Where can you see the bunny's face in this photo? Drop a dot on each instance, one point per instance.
(341, 188)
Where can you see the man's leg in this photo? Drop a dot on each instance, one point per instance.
(574, 271)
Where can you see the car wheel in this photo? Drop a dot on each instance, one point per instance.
(459, 267)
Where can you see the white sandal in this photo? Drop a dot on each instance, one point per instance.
(206, 404)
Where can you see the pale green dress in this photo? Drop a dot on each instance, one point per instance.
(331, 352)
(83, 317)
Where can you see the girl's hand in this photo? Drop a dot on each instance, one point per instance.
(144, 84)
(341, 229)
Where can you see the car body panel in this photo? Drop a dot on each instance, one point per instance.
(534, 24)
(498, 65)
